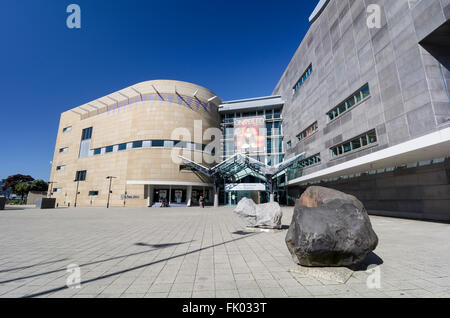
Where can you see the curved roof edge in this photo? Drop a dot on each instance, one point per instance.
(318, 10)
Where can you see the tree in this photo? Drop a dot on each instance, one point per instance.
(12, 181)
(22, 188)
(39, 185)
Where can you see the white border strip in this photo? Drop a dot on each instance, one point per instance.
(171, 183)
(436, 139)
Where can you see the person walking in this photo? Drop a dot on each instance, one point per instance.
(201, 200)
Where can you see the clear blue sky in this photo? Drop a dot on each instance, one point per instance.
(238, 49)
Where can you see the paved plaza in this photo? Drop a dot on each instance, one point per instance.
(193, 252)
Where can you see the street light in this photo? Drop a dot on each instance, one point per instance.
(109, 191)
(77, 180)
(50, 186)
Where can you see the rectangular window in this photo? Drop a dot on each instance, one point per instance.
(356, 98)
(67, 129)
(308, 131)
(97, 151)
(269, 127)
(366, 139)
(109, 149)
(137, 144)
(57, 190)
(86, 134)
(122, 147)
(157, 143)
(65, 149)
(303, 78)
(289, 144)
(93, 193)
(81, 175)
(60, 168)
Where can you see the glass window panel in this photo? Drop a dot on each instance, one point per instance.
(365, 91)
(97, 151)
(372, 136)
(347, 147)
(356, 144)
(109, 149)
(364, 141)
(122, 147)
(157, 143)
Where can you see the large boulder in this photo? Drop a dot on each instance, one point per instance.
(315, 196)
(334, 231)
(267, 215)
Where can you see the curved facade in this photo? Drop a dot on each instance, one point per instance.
(129, 135)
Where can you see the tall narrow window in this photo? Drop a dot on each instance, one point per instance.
(81, 175)
(87, 134)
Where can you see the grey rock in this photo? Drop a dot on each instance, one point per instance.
(2, 203)
(315, 196)
(267, 215)
(337, 233)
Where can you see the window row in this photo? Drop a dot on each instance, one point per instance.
(353, 100)
(269, 114)
(354, 144)
(296, 170)
(308, 131)
(150, 144)
(303, 78)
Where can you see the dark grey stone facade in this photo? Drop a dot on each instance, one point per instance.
(405, 62)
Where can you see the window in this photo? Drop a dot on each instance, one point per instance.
(65, 149)
(303, 78)
(158, 143)
(137, 144)
(354, 144)
(81, 175)
(269, 127)
(93, 193)
(276, 114)
(57, 190)
(358, 97)
(308, 131)
(87, 134)
(277, 128)
(109, 149)
(60, 168)
(289, 144)
(186, 168)
(97, 151)
(122, 147)
(67, 129)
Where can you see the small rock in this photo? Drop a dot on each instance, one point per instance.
(267, 215)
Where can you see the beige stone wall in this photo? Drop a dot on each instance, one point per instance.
(143, 120)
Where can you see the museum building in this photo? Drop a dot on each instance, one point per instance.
(360, 108)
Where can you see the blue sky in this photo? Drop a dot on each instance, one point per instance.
(238, 49)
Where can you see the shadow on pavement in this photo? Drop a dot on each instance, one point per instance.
(136, 267)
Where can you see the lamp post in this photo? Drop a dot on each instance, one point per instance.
(50, 186)
(109, 191)
(77, 180)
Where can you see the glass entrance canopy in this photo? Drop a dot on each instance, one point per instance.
(241, 166)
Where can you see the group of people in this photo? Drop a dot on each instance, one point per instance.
(201, 201)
